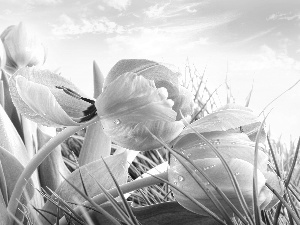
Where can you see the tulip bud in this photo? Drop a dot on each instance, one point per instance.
(238, 152)
(141, 95)
(22, 48)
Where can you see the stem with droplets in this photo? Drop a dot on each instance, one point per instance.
(37, 160)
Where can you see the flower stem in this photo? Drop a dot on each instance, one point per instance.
(128, 187)
(37, 160)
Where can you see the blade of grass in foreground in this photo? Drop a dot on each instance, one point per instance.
(124, 201)
(107, 215)
(257, 215)
(277, 213)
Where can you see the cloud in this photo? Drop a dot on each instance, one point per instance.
(161, 10)
(118, 4)
(43, 2)
(284, 16)
(156, 11)
(267, 58)
(69, 26)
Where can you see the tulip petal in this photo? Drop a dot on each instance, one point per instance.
(137, 136)
(213, 168)
(162, 75)
(230, 145)
(72, 106)
(222, 120)
(131, 98)
(40, 99)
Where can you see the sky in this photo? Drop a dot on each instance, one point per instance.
(249, 41)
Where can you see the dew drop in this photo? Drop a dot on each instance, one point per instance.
(175, 160)
(206, 183)
(236, 174)
(189, 155)
(117, 122)
(175, 183)
(183, 152)
(196, 171)
(180, 178)
(205, 168)
(233, 143)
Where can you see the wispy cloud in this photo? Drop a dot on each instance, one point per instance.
(69, 26)
(284, 16)
(43, 2)
(118, 4)
(161, 10)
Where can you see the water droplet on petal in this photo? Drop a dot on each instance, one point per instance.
(117, 122)
(181, 178)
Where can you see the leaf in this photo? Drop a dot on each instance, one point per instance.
(159, 214)
(4, 217)
(215, 170)
(10, 139)
(230, 145)
(222, 120)
(12, 169)
(97, 169)
(96, 144)
(98, 80)
(9, 107)
(53, 166)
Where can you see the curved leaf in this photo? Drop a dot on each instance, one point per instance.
(117, 165)
(159, 214)
(10, 139)
(12, 169)
(215, 170)
(53, 166)
(223, 120)
(230, 145)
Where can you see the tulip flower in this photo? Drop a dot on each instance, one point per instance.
(238, 151)
(150, 97)
(22, 48)
(37, 93)
(139, 95)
